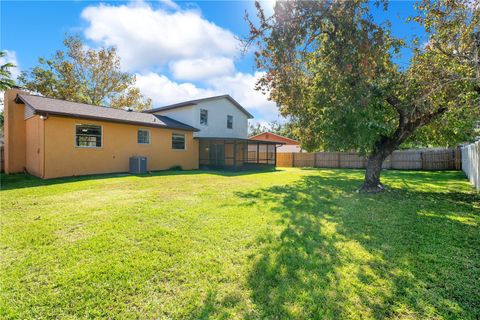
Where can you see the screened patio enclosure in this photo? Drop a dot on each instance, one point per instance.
(237, 154)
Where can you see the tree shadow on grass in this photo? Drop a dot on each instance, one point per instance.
(20, 180)
(337, 254)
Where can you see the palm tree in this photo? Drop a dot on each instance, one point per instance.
(6, 80)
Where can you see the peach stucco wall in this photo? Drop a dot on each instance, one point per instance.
(63, 158)
(34, 146)
(14, 131)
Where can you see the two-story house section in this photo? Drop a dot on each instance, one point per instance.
(223, 133)
(219, 116)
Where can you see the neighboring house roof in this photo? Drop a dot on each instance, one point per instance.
(273, 137)
(44, 105)
(197, 101)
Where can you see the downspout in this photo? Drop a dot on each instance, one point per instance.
(44, 118)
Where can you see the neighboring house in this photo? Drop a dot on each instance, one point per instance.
(54, 138)
(289, 145)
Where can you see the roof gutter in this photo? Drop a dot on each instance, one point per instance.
(176, 106)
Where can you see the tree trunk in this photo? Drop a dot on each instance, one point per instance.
(383, 148)
(372, 183)
(387, 144)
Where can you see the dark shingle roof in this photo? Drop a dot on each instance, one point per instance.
(44, 105)
(194, 102)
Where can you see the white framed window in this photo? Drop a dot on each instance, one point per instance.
(204, 117)
(230, 122)
(178, 141)
(143, 136)
(88, 136)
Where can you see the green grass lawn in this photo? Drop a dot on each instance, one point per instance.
(293, 243)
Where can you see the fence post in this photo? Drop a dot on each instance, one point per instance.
(338, 160)
(293, 159)
(476, 148)
(458, 158)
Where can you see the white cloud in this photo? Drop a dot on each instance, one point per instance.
(164, 91)
(204, 68)
(170, 4)
(268, 6)
(194, 50)
(240, 86)
(147, 37)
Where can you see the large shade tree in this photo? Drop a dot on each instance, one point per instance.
(331, 69)
(85, 75)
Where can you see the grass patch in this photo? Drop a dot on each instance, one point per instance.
(193, 244)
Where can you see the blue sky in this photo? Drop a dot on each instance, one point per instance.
(178, 50)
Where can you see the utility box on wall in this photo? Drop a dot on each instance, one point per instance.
(138, 164)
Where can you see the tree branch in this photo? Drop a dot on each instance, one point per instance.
(396, 104)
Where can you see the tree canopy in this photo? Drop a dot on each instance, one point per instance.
(283, 129)
(6, 80)
(85, 75)
(331, 69)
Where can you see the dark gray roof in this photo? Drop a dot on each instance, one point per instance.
(194, 102)
(44, 105)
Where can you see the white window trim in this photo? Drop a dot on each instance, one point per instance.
(229, 115)
(184, 145)
(149, 136)
(87, 124)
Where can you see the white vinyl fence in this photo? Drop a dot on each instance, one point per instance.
(471, 162)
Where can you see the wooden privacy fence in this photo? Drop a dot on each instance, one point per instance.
(422, 159)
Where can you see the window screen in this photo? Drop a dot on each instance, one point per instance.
(178, 141)
(143, 136)
(229, 122)
(89, 136)
(203, 117)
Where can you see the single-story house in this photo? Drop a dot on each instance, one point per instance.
(52, 138)
(288, 145)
